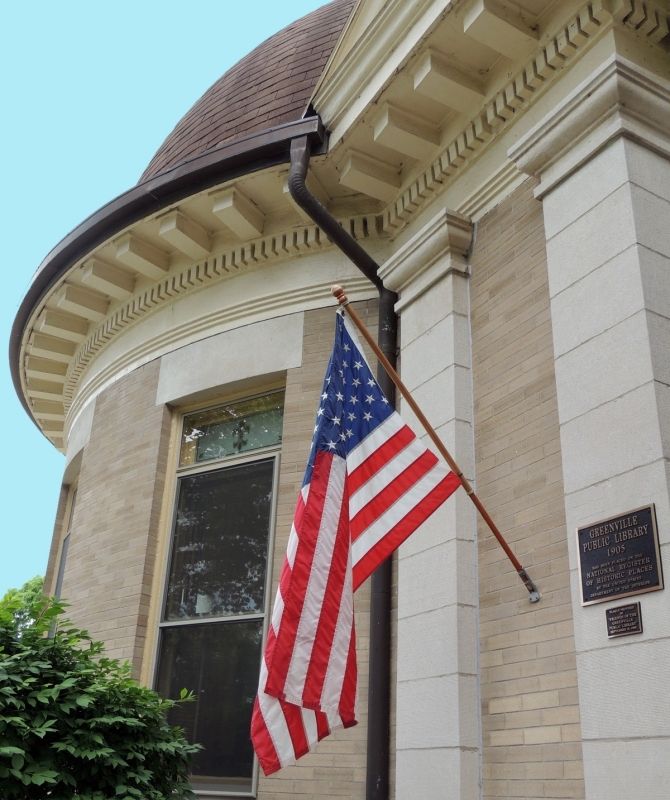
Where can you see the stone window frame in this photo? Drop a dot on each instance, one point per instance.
(175, 472)
(64, 543)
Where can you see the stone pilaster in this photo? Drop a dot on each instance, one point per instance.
(602, 159)
(438, 724)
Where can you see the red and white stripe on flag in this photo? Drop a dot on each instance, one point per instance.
(369, 484)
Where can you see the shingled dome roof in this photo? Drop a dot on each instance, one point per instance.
(270, 86)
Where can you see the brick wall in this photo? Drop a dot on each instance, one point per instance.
(337, 768)
(115, 528)
(530, 711)
(110, 559)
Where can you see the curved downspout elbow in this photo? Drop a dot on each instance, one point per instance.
(300, 155)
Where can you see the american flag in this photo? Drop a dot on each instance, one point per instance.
(368, 485)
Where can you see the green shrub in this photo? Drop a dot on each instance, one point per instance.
(74, 724)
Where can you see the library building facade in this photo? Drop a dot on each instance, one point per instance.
(490, 182)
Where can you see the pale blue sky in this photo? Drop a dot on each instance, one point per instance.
(88, 91)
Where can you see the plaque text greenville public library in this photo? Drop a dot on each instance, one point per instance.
(619, 556)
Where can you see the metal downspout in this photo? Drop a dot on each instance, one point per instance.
(379, 692)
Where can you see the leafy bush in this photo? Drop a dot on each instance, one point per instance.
(74, 724)
(18, 604)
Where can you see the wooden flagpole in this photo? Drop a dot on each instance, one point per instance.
(340, 296)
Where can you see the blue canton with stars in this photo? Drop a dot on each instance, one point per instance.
(351, 404)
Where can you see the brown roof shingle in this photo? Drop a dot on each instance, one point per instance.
(268, 87)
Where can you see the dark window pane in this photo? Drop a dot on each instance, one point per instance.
(233, 428)
(220, 542)
(218, 662)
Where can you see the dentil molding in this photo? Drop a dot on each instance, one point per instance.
(305, 240)
(649, 20)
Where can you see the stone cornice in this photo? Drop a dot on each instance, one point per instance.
(438, 248)
(384, 41)
(178, 283)
(56, 345)
(501, 110)
(265, 305)
(648, 21)
(276, 248)
(620, 99)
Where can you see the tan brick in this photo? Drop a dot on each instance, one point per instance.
(527, 652)
(573, 770)
(115, 522)
(525, 788)
(544, 771)
(571, 733)
(564, 788)
(540, 735)
(496, 738)
(500, 705)
(540, 700)
(110, 565)
(523, 719)
(562, 715)
(569, 696)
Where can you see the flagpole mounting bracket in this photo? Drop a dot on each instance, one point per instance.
(533, 593)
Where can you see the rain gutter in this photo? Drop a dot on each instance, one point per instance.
(267, 148)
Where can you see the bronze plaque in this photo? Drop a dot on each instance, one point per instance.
(624, 620)
(619, 556)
